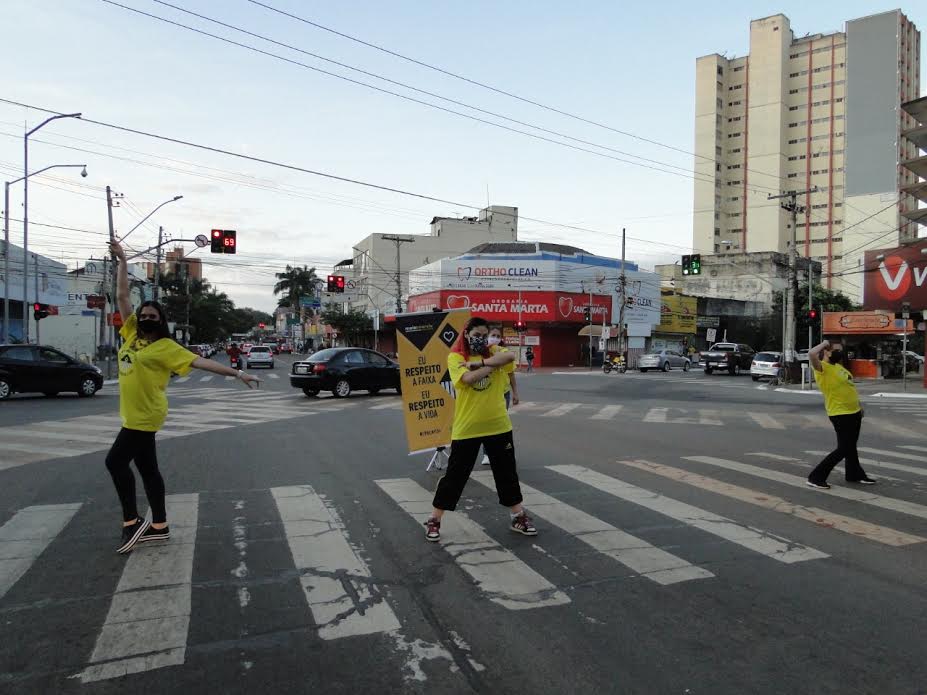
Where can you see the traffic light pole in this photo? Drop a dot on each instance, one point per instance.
(157, 273)
(112, 259)
(590, 326)
(622, 288)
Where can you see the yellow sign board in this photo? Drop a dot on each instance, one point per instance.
(677, 314)
(424, 341)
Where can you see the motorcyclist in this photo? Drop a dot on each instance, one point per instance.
(234, 354)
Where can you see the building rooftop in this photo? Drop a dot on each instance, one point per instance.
(527, 247)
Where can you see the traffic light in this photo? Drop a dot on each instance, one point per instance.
(687, 265)
(695, 264)
(587, 314)
(336, 283)
(521, 326)
(812, 315)
(39, 311)
(223, 241)
(262, 326)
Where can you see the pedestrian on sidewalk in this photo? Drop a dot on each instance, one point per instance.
(479, 373)
(511, 388)
(147, 359)
(841, 401)
(529, 358)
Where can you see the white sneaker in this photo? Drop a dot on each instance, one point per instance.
(485, 460)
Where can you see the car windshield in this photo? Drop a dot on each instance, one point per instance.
(766, 357)
(260, 349)
(656, 352)
(722, 348)
(324, 355)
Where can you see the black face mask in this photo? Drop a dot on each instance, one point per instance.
(478, 343)
(836, 356)
(149, 326)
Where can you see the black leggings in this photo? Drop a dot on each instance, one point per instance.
(847, 428)
(140, 446)
(501, 451)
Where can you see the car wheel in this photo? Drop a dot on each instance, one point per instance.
(708, 370)
(666, 366)
(310, 393)
(643, 370)
(685, 367)
(399, 389)
(50, 394)
(756, 378)
(6, 389)
(373, 392)
(342, 388)
(87, 388)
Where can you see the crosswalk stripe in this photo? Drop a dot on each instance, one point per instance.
(762, 542)
(774, 457)
(661, 416)
(894, 454)
(913, 447)
(632, 552)
(85, 426)
(806, 466)
(149, 617)
(821, 517)
(607, 412)
(328, 566)
(561, 410)
(498, 572)
(32, 433)
(26, 536)
(47, 450)
(879, 464)
(182, 380)
(272, 375)
(394, 405)
(766, 421)
(206, 378)
(895, 505)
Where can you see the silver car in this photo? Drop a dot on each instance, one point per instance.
(765, 364)
(260, 356)
(663, 359)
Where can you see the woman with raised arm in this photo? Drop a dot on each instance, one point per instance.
(479, 373)
(147, 359)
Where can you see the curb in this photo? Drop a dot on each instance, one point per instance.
(898, 395)
(110, 382)
(806, 391)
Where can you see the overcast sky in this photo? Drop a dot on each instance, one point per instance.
(623, 65)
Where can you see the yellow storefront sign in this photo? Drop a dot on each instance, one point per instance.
(677, 314)
(424, 341)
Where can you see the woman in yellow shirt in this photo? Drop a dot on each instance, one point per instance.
(845, 412)
(147, 358)
(479, 373)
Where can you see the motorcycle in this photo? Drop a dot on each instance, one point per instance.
(235, 362)
(616, 362)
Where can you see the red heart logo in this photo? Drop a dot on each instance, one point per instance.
(458, 302)
(566, 306)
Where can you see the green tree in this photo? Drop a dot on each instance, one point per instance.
(293, 283)
(823, 300)
(352, 325)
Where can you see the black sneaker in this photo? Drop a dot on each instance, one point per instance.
(819, 486)
(131, 534)
(432, 529)
(156, 534)
(863, 481)
(522, 524)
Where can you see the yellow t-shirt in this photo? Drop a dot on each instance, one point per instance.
(480, 408)
(836, 383)
(144, 370)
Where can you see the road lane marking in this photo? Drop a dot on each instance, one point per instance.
(895, 454)
(820, 517)
(149, 617)
(394, 405)
(182, 380)
(498, 572)
(806, 466)
(273, 375)
(661, 416)
(774, 457)
(561, 410)
(34, 433)
(632, 552)
(26, 536)
(890, 503)
(913, 447)
(607, 412)
(766, 421)
(336, 581)
(206, 378)
(878, 464)
(50, 451)
(657, 415)
(757, 540)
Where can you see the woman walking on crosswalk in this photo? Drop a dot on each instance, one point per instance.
(511, 388)
(147, 359)
(845, 412)
(479, 373)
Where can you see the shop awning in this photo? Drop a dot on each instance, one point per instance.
(596, 331)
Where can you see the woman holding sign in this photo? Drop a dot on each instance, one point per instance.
(479, 373)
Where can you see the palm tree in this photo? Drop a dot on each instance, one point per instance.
(294, 283)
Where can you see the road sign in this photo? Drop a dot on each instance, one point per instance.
(201, 240)
(711, 334)
(292, 322)
(310, 302)
(95, 301)
(88, 312)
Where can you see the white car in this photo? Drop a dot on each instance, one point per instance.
(259, 356)
(765, 364)
(914, 356)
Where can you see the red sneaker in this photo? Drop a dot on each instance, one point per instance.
(522, 524)
(432, 529)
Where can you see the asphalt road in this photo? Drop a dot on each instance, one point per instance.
(678, 550)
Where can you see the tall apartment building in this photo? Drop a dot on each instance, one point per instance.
(819, 111)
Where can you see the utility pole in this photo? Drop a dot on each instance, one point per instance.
(622, 288)
(186, 330)
(157, 273)
(35, 260)
(792, 206)
(112, 259)
(590, 325)
(6, 263)
(399, 241)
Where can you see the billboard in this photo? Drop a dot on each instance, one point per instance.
(513, 306)
(894, 276)
(677, 314)
(838, 323)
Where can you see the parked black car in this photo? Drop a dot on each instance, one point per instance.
(35, 368)
(343, 370)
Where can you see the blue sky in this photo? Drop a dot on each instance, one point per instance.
(625, 66)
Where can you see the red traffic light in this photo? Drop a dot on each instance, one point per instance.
(812, 314)
(261, 325)
(216, 233)
(37, 307)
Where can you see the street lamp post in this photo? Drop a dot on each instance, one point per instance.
(26, 212)
(6, 242)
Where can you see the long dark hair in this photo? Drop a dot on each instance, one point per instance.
(463, 342)
(163, 331)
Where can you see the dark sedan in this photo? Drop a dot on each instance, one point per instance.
(34, 368)
(343, 370)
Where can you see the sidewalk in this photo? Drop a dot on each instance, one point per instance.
(880, 388)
